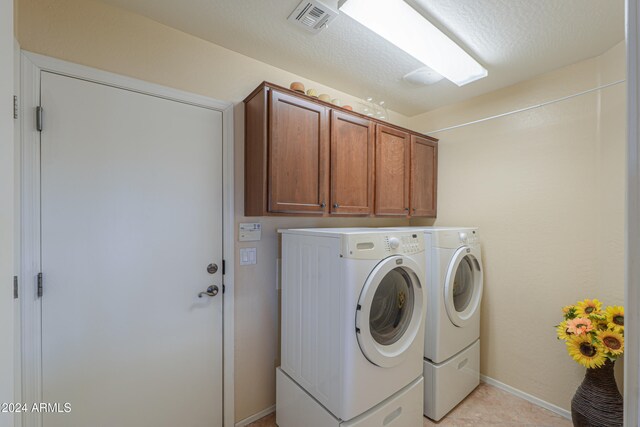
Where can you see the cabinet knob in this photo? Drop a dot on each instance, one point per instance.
(323, 205)
(406, 209)
(336, 206)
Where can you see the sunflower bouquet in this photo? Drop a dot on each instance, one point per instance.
(592, 335)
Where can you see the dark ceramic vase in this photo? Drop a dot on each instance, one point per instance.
(597, 402)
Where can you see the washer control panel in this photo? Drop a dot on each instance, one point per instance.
(382, 245)
(404, 243)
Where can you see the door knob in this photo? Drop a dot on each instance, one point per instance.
(211, 291)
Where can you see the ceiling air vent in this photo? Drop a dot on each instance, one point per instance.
(312, 15)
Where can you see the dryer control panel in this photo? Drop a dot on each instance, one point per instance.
(468, 237)
(455, 238)
(382, 245)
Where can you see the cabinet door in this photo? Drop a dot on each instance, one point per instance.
(351, 164)
(298, 155)
(392, 171)
(424, 176)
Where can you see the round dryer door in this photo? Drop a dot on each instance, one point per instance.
(389, 312)
(463, 286)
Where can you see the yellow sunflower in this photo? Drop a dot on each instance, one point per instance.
(615, 317)
(612, 342)
(585, 352)
(587, 307)
(562, 332)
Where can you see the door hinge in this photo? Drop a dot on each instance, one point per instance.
(39, 118)
(39, 290)
(223, 288)
(15, 287)
(223, 267)
(15, 107)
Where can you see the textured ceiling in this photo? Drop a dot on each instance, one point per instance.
(514, 39)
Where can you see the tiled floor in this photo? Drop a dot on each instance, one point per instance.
(490, 406)
(486, 406)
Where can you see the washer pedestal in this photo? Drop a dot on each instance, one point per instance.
(297, 408)
(446, 384)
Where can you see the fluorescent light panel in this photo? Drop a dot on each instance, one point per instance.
(401, 25)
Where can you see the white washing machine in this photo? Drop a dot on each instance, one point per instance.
(353, 309)
(452, 341)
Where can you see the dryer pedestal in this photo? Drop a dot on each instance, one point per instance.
(297, 408)
(446, 384)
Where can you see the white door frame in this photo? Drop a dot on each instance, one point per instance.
(17, 322)
(632, 262)
(31, 67)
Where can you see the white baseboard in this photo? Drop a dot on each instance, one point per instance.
(526, 396)
(256, 417)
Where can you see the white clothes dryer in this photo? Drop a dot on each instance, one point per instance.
(452, 334)
(455, 284)
(353, 310)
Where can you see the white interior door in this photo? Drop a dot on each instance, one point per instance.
(131, 217)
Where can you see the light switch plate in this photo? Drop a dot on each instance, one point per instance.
(249, 231)
(248, 256)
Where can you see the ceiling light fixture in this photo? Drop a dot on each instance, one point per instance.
(400, 24)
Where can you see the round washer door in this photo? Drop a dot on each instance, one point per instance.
(389, 312)
(463, 286)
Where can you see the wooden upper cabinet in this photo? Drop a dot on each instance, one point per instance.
(424, 176)
(392, 171)
(304, 156)
(352, 156)
(298, 155)
(255, 153)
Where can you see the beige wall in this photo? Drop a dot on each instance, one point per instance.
(100, 36)
(546, 188)
(6, 210)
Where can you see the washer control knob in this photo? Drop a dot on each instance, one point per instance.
(394, 242)
(463, 237)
